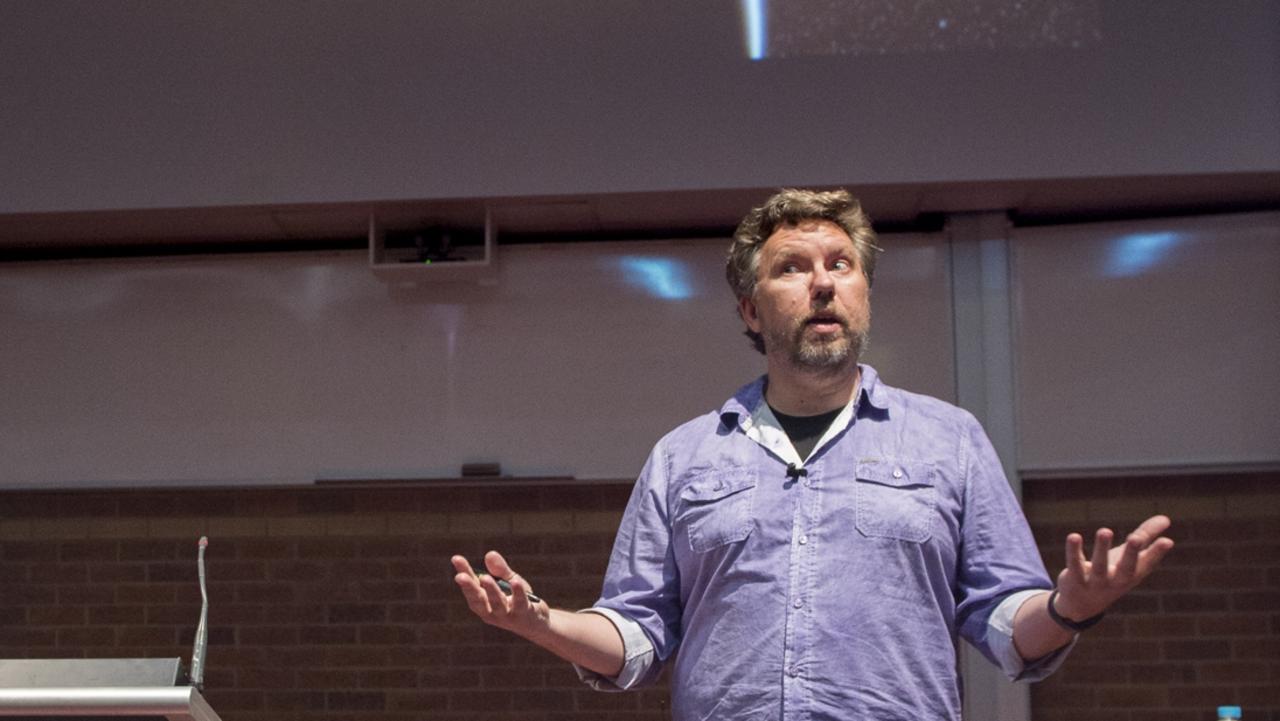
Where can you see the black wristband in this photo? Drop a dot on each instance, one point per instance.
(1073, 626)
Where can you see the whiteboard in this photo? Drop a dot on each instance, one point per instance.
(288, 368)
(1148, 344)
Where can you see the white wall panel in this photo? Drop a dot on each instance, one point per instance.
(126, 105)
(1148, 344)
(288, 368)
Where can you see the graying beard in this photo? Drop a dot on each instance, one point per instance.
(830, 355)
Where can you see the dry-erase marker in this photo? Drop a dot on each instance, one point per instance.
(505, 587)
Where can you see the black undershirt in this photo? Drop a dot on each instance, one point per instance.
(804, 431)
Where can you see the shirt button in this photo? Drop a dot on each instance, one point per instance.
(897, 473)
(793, 672)
(797, 603)
(804, 540)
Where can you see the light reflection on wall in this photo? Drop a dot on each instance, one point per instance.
(753, 23)
(1137, 253)
(665, 278)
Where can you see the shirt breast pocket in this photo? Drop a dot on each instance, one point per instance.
(895, 499)
(716, 509)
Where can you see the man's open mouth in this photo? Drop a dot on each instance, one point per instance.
(824, 321)
(823, 318)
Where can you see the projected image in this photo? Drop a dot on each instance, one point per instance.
(796, 28)
(1137, 253)
(665, 278)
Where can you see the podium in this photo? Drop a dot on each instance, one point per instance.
(124, 689)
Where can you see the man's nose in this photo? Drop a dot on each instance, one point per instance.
(823, 284)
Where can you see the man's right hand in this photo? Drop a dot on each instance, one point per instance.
(514, 612)
(586, 639)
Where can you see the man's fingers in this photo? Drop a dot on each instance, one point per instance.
(1140, 554)
(1128, 563)
(497, 565)
(1075, 555)
(519, 595)
(497, 599)
(1092, 585)
(499, 568)
(462, 565)
(521, 588)
(469, 582)
(1153, 527)
(499, 596)
(1151, 557)
(1101, 551)
(480, 590)
(472, 593)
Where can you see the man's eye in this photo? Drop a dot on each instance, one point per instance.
(790, 268)
(842, 265)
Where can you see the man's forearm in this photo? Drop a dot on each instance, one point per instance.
(586, 639)
(1035, 634)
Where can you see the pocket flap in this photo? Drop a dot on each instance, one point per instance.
(896, 473)
(717, 484)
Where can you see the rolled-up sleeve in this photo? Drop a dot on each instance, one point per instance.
(637, 655)
(1005, 653)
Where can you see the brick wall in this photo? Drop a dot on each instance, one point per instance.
(338, 603)
(1203, 631)
(325, 603)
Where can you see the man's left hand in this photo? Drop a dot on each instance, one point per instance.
(1088, 586)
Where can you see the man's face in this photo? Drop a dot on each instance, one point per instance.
(812, 304)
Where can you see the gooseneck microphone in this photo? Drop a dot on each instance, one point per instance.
(202, 630)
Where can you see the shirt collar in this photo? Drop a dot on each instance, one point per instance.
(874, 393)
(738, 410)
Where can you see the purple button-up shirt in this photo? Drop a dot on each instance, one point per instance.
(837, 594)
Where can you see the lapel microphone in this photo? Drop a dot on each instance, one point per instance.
(794, 472)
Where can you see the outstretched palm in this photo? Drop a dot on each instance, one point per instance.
(1088, 586)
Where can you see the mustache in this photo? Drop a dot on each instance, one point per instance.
(827, 315)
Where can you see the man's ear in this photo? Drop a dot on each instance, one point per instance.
(747, 309)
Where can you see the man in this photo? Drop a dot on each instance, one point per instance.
(814, 548)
